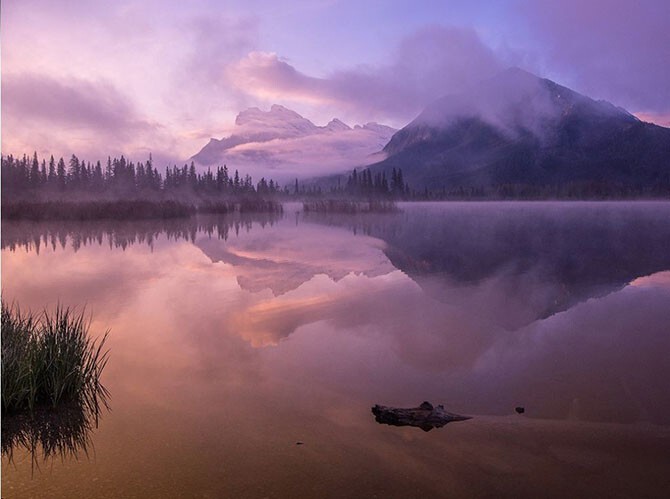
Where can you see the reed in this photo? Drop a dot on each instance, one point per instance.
(133, 209)
(95, 210)
(49, 359)
(240, 205)
(349, 206)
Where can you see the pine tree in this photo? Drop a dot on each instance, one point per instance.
(98, 181)
(43, 173)
(192, 177)
(51, 178)
(35, 171)
(74, 171)
(109, 172)
(60, 174)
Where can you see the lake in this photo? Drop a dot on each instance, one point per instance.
(247, 351)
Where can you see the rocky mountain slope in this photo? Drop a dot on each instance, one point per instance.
(519, 129)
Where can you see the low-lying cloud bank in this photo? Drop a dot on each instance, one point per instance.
(282, 144)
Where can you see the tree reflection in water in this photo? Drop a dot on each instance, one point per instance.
(121, 234)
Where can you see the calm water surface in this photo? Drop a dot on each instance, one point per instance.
(233, 339)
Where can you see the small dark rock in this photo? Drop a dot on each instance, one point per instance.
(299, 443)
(520, 410)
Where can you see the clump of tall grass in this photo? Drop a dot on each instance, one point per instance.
(49, 359)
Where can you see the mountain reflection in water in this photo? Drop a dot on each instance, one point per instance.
(550, 256)
(468, 292)
(234, 337)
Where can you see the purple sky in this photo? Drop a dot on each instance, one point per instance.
(99, 78)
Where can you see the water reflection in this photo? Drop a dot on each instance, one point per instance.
(226, 351)
(48, 433)
(542, 258)
(34, 236)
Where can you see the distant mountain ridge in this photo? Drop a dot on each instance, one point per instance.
(519, 129)
(282, 140)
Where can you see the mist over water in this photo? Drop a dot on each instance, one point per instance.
(250, 333)
(533, 301)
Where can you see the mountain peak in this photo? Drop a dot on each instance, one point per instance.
(335, 125)
(511, 101)
(282, 136)
(517, 72)
(278, 108)
(275, 114)
(517, 128)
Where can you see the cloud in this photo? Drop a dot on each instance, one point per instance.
(199, 93)
(612, 50)
(265, 75)
(217, 40)
(146, 70)
(432, 62)
(662, 119)
(72, 103)
(307, 156)
(191, 66)
(284, 159)
(71, 115)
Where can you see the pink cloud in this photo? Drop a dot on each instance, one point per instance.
(432, 62)
(265, 75)
(70, 115)
(71, 102)
(662, 119)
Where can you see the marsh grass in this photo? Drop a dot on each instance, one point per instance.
(137, 209)
(95, 210)
(49, 359)
(241, 205)
(349, 206)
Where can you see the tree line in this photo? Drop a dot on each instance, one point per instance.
(122, 177)
(577, 190)
(367, 184)
(359, 185)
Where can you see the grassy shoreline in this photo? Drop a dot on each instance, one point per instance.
(349, 206)
(49, 360)
(130, 209)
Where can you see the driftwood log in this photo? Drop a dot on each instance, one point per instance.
(425, 416)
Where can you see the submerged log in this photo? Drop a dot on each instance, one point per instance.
(425, 416)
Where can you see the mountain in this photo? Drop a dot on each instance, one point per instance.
(281, 143)
(517, 128)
